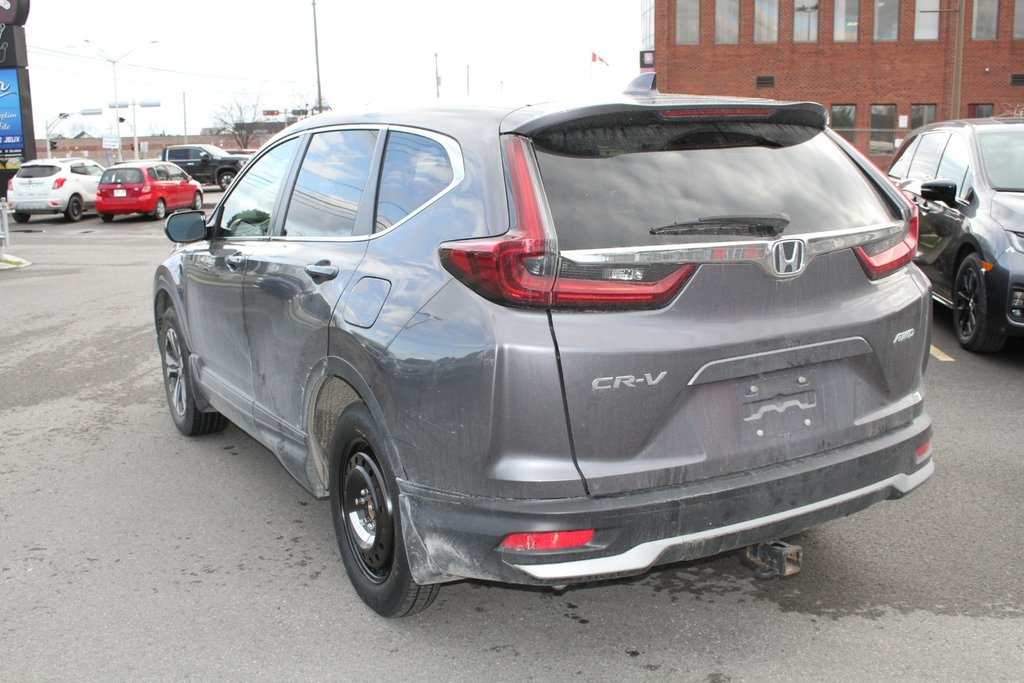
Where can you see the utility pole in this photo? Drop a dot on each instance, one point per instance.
(958, 59)
(184, 116)
(467, 80)
(437, 78)
(316, 49)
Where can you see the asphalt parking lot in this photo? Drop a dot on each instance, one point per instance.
(130, 552)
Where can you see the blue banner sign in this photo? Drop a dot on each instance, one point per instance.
(10, 112)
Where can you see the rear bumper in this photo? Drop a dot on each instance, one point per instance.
(119, 207)
(449, 537)
(41, 205)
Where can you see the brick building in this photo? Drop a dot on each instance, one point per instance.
(882, 67)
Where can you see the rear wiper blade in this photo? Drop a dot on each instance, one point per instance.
(754, 225)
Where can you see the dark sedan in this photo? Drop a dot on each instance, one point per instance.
(967, 178)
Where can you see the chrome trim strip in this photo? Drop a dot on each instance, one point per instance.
(641, 557)
(747, 251)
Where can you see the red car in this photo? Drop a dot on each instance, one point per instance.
(150, 187)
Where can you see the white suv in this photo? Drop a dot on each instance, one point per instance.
(65, 186)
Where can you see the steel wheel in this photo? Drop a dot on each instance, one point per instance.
(177, 389)
(160, 210)
(369, 518)
(74, 211)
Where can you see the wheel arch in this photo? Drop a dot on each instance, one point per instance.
(334, 386)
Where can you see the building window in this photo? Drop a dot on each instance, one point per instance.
(883, 129)
(926, 20)
(647, 24)
(986, 18)
(887, 20)
(844, 120)
(764, 81)
(766, 21)
(687, 22)
(1018, 19)
(727, 21)
(846, 20)
(979, 111)
(921, 115)
(805, 21)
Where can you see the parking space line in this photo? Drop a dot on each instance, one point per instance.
(937, 354)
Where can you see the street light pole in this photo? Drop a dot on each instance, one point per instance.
(316, 51)
(117, 101)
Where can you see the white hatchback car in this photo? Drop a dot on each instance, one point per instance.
(49, 186)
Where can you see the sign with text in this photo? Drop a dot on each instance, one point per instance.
(10, 113)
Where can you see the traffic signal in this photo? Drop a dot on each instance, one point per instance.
(299, 112)
(271, 112)
(53, 145)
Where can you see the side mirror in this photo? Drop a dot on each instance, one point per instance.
(940, 191)
(186, 226)
(205, 157)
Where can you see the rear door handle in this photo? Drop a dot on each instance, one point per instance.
(322, 270)
(235, 261)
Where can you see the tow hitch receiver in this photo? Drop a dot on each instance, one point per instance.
(773, 558)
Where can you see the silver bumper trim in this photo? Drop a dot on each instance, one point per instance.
(641, 557)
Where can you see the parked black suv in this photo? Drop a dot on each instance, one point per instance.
(208, 164)
(967, 179)
(557, 343)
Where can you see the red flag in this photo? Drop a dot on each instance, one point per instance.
(595, 58)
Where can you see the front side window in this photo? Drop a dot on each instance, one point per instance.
(955, 164)
(986, 19)
(883, 128)
(247, 210)
(844, 120)
(926, 159)
(926, 20)
(727, 21)
(330, 184)
(846, 21)
(805, 21)
(416, 169)
(887, 20)
(687, 22)
(921, 115)
(766, 21)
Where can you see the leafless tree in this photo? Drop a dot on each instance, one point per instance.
(240, 119)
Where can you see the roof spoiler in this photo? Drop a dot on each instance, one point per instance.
(644, 85)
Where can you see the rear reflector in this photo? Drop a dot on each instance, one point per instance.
(550, 540)
(924, 450)
(523, 267)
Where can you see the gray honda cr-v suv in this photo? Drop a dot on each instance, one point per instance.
(552, 344)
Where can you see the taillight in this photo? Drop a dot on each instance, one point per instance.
(59, 183)
(548, 540)
(523, 267)
(882, 258)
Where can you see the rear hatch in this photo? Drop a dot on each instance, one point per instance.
(34, 180)
(119, 185)
(727, 286)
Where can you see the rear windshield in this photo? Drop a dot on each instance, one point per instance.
(611, 187)
(1001, 154)
(37, 171)
(113, 176)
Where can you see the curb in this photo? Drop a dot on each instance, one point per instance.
(9, 261)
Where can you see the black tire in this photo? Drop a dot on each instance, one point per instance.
(159, 211)
(197, 201)
(74, 211)
(224, 179)
(189, 420)
(974, 330)
(20, 217)
(364, 507)
(106, 217)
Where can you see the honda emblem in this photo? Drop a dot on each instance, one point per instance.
(788, 257)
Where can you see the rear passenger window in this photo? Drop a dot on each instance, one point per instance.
(926, 160)
(247, 210)
(330, 184)
(416, 169)
(158, 173)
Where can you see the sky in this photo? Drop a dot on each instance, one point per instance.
(214, 54)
